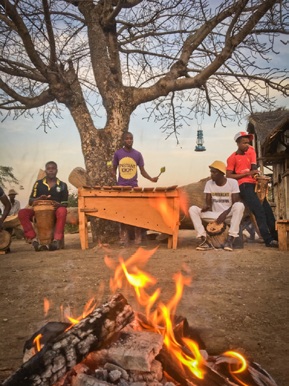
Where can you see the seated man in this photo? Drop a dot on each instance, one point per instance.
(15, 204)
(222, 205)
(49, 188)
(11, 222)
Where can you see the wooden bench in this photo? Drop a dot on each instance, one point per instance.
(282, 227)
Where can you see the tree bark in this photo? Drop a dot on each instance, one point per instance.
(71, 347)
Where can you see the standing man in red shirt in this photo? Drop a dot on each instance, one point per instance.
(242, 166)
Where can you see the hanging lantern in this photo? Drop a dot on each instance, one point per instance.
(200, 141)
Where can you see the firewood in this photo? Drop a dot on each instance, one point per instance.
(71, 347)
(134, 350)
(216, 368)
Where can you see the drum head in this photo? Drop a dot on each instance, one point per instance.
(214, 229)
(5, 239)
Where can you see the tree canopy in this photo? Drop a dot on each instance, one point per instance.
(179, 58)
(6, 175)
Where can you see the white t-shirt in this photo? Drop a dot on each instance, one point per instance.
(222, 195)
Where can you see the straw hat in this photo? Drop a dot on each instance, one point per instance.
(12, 192)
(219, 165)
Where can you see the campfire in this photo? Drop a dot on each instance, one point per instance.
(113, 344)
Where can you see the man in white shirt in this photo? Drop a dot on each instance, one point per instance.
(15, 204)
(222, 204)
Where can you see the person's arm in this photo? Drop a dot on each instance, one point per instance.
(235, 198)
(235, 176)
(147, 176)
(64, 194)
(34, 195)
(7, 206)
(208, 203)
(17, 206)
(114, 167)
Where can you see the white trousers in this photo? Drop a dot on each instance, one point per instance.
(234, 218)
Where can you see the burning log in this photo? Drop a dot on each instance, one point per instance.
(72, 346)
(219, 370)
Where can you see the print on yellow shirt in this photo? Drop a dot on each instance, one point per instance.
(127, 168)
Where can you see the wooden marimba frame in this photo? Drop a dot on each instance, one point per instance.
(155, 209)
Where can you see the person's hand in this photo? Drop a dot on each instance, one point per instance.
(205, 208)
(56, 204)
(43, 197)
(221, 218)
(254, 173)
(154, 179)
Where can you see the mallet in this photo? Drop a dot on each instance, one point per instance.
(162, 170)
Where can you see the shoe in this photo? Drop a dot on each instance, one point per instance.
(43, 247)
(229, 243)
(273, 244)
(35, 245)
(55, 245)
(205, 245)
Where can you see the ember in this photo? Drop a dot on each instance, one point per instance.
(114, 345)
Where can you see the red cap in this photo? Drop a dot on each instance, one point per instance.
(243, 134)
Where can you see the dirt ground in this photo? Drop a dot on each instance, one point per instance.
(239, 300)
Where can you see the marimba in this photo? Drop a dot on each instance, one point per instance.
(155, 209)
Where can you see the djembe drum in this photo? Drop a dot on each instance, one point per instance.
(45, 220)
(11, 221)
(5, 240)
(261, 187)
(217, 233)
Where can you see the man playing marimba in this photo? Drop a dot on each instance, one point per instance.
(53, 193)
(126, 160)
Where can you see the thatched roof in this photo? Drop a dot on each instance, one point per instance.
(267, 125)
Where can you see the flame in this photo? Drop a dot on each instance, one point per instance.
(161, 318)
(184, 202)
(88, 308)
(241, 363)
(241, 359)
(46, 306)
(162, 205)
(37, 343)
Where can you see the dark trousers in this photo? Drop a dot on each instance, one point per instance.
(262, 211)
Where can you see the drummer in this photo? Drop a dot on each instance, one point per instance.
(48, 188)
(222, 205)
(7, 206)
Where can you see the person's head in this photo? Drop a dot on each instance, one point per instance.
(218, 170)
(127, 140)
(243, 140)
(12, 194)
(51, 169)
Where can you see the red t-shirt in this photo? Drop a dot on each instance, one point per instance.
(242, 163)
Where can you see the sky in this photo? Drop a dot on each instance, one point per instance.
(26, 149)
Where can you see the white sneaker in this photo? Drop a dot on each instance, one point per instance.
(205, 245)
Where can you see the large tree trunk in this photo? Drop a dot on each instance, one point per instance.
(98, 147)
